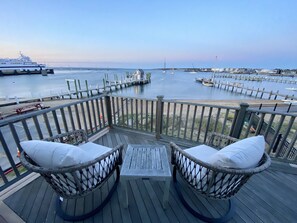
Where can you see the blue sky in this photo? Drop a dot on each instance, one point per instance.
(140, 34)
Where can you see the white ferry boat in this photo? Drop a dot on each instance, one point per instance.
(22, 65)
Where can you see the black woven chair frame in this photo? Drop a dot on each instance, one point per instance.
(79, 180)
(75, 137)
(211, 181)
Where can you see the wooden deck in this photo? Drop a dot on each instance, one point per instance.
(268, 197)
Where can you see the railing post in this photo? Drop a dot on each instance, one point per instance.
(87, 88)
(239, 122)
(76, 90)
(159, 115)
(108, 110)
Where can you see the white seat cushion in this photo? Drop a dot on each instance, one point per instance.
(243, 154)
(95, 150)
(194, 172)
(55, 155)
(101, 168)
(202, 152)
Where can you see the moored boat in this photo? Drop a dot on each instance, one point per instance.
(208, 82)
(199, 80)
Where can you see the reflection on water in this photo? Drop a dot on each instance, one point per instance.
(138, 89)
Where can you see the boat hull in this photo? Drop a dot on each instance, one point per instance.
(208, 83)
(25, 72)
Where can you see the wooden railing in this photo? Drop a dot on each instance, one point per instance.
(279, 130)
(89, 114)
(182, 120)
(194, 122)
(165, 118)
(134, 113)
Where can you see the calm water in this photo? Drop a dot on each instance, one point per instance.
(180, 85)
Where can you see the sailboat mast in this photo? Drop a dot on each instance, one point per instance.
(164, 69)
(215, 69)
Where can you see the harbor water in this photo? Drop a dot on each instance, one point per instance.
(173, 85)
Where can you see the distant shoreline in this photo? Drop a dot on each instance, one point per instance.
(261, 71)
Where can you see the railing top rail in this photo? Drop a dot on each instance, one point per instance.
(139, 98)
(255, 110)
(36, 113)
(201, 104)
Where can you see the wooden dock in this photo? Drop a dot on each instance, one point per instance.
(253, 92)
(78, 92)
(258, 78)
(108, 86)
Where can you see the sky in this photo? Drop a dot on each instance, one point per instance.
(143, 34)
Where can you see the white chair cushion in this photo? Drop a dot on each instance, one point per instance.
(194, 171)
(100, 168)
(55, 155)
(94, 150)
(202, 152)
(243, 154)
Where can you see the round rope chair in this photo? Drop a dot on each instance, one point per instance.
(79, 180)
(212, 181)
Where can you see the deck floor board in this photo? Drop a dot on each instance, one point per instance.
(267, 197)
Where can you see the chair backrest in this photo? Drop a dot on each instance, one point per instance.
(78, 180)
(75, 137)
(219, 141)
(81, 179)
(213, 181)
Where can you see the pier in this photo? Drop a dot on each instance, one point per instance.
(258, 78)
(75, 90)
(108, 86)
(252, 92)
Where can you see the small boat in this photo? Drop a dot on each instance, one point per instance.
(199, 80)
(208, 82)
